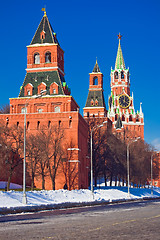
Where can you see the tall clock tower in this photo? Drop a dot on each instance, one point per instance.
(126, 121)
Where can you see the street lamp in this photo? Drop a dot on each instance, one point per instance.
(152, 171)
(92, 130)
(24, 198)
(135, 140)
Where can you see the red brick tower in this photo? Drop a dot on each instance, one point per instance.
(126, 122)
(95, 104)
(45, 71)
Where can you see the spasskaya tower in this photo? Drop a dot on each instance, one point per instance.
(126, 122)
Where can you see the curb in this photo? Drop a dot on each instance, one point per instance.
(27, 209)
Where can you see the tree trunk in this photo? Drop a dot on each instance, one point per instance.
(43, 182)
(32, 184)
(9, 181)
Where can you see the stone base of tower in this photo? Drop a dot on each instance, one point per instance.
(129, 132)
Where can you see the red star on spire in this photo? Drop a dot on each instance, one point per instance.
(119, 36)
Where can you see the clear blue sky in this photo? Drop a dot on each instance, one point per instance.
(87, 29)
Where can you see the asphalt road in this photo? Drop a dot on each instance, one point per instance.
(138, 221)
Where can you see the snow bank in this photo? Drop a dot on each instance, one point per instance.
(36, 198)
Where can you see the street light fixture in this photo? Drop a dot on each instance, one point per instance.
(152, 171)
(24, 198)
(135, 140)
(92, 130)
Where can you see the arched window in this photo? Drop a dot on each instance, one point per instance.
(137, 119)
(96, 102)
(40, 110)
(23, 110)
(122, 75)
(28, 92)
(123, 118)
(54, 91)
(116, 75)
(130, 118)
(87, 114)
(27, 125)
(38, 125)
(95, 81)
(48, 57)
(92, 102)
(59, 123)
(36, 58)
(116, 117)
(70, 123)
(49, 124)
(57, 109)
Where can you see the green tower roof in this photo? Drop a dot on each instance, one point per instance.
(119, 59)
(50, 35)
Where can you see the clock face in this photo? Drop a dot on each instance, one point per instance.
(124, 101)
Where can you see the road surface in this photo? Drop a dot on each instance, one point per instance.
(138, 221)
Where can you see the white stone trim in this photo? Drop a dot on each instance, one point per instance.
(72, 149)
(44, 68)
(73, 161)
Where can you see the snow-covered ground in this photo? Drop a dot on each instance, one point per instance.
(13, 198)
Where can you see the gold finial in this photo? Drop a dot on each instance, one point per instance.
(119, 36)
(96, 60)
(44, 10)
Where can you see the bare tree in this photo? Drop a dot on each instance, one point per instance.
(12, 142)
(69, 166)
(33, 156)
(4, 109)
(51, 152)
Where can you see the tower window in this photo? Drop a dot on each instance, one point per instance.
(59, 123)
(123, 118)
(27, 125)
(38, 124)
(92, 102)
(70, 123)
(17, 124)
(122, 75)
(95, 81)
(54, 91)
(57, 109)
(130, 118)
(36, 58)
(40, 110)
(48, 57)
(23, 110)
(96, 102)
(116, 75)
(28, 92)
(49, 124)
(87, 114)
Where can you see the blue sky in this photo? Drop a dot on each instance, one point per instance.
(87, 29)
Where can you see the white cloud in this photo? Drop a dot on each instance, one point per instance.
(156, 143)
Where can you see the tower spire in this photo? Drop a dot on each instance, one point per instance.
(96, 68)
(119, 59)
(44, 10)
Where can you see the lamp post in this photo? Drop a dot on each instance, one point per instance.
(135, 140)
(152, 171)
(92, 130)
(24, 197)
